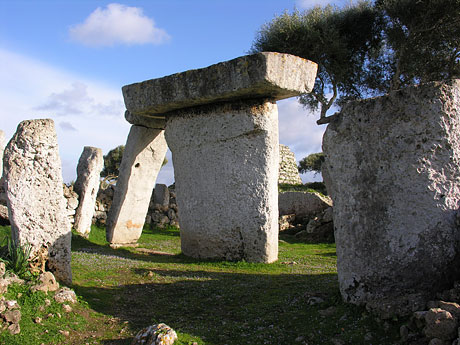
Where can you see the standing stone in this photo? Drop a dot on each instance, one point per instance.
(87, 185)
(2, 148)
(222, 129)
(226, 172)
(36, 204)
(393, 166)
(142, 159)
(161, 195)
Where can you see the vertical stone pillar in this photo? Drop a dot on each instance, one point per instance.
(142, 159)
(393, 166)
(36, 203)
(87, 185)
(226, 159)
(222, 128)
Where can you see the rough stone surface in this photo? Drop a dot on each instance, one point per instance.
(142, 159)
(160, 334)
(36, 203)
(440, 324)
(4, 220)
(393, 165)
(87, 185)
(226, 173)
(288, 173)
(46, 282)
(161, 195)
(264, 75)
(65, 295)
(302, 204)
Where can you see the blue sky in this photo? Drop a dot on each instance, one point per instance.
(67, 60)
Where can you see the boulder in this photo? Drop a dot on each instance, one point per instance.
(159, 334)
(302, 204)
(440, 324)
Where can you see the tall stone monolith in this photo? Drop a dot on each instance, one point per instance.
(222, 129)
(36, 204)
(142, 159)
(394, 175)
(86, 186)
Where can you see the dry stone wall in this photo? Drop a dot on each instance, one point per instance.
(393, 166)
(36, 204)
(288, 172)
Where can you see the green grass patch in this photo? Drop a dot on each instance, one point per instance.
(209, 302)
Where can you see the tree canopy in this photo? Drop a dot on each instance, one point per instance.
(312, 162)
(368, 48)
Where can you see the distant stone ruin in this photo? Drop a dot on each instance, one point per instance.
(394, 168)
(288, 172)
(221, 124)
(86, 186)
(36, 204)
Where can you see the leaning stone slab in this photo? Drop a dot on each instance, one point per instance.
(87, 185)
(264, 75)
(142, 159)
(161, 195)
(302, 204)
(35, 199)
(226, 173)
(394, 168)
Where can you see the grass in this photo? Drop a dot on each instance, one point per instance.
(207, 302)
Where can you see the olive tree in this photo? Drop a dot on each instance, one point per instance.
(340, 41)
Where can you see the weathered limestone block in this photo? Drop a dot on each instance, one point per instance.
(87, 185)
(226, 171)
(161, 195)
(36, 204)
(302, 204)
(142, 159)
(393, 166)
(264, 75)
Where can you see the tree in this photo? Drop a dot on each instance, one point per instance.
(340, 41)
(423, 39)
(312, 162)
(112, 161)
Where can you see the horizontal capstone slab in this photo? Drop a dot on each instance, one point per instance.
(264, 75)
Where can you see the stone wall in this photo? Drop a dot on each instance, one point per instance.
(288, 172)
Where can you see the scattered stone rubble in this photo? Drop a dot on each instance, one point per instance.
(36, 204)
(163, 208)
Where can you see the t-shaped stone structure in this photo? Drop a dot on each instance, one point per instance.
(221, 124)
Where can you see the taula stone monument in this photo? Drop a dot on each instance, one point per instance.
(87, 185)
(394, 168)
(221, 124)
(36, 204)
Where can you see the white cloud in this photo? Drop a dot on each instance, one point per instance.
(299, 131)
(86, 113)
(118, 24)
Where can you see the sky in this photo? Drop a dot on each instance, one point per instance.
(67, 60)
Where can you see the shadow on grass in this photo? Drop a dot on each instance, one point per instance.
(219, 307)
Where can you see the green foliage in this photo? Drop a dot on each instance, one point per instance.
(312, 162)
(112, 161)
(423, 40)
(369, 48)
(340, 41)
(16, 258)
